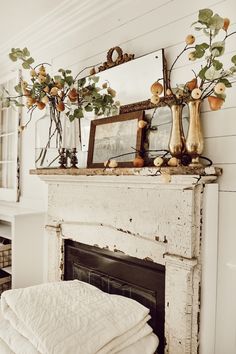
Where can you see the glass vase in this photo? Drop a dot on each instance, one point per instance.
(194, 140)
(71, 145)
(177, 139)
(48, 139)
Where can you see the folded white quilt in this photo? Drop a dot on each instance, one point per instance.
(70, 317)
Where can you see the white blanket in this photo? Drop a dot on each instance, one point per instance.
(72, 317)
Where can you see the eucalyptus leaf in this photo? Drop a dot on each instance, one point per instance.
(88, 108)
(69, 80)
(26, 52)
(221, 95)
(18, 89)
(199, 53)
(233, 69)
(30, 60)
(217, 64)
(25, 65)
(204, 15)
(6, 103)
(206, 32)
(202, 72)
(216, 22)
(95, 78)
(212, 74)
(225, 82)
(78, 113)
(233, 59)
(12, 57)
(218, 48)
(81, 82)
(57, 78)
(204, 45)
(215, 32)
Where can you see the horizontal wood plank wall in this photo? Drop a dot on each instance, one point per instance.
(80, 35)
(143, 26)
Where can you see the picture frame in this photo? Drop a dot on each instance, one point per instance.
(114, 136)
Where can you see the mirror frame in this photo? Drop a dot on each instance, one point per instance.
(123, 58)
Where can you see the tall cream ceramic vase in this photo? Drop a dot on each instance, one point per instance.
(177, 139)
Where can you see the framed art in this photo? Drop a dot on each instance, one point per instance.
(115, 136)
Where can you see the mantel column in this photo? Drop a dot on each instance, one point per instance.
(182, 305)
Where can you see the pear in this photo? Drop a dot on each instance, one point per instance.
(45, 99)
(73, 95)
(138, 162)
(173, 162)
(226, 24)
(215, 102)
(33, 73)
(191, 85)
(111, 92)
(191, 56)
(92, 71)
(42, 78)
(46, 89)
(42, 70)
(196, 93)
(60, 107)
(190, 39)
(155, 99)
(40, 105)
(54, 91)
(26, 92)
(156, 88)
(30, 101)
(113, 163)
(158, 162)
(219, 88)
(142, 124)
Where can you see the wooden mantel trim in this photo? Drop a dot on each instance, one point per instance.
(144, 171)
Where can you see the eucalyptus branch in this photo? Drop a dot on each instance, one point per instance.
(31, 110)
(175, 61)
(41, 65)
(228, 35)
(87, 67)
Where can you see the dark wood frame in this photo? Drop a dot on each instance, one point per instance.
(116, 273)
(139, 115)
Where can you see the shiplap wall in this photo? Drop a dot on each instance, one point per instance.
(80, 33)
(143, 26)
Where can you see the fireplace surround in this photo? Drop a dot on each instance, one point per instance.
(168, 219)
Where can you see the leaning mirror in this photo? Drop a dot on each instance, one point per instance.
(131, 80)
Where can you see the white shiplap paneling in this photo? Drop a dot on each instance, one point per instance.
(81, 33)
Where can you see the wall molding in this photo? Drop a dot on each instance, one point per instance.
(69, 17)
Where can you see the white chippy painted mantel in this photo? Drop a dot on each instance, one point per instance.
(142, 215)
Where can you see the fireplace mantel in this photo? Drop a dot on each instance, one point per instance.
(143, 171)
(166, 215)
(145, 177)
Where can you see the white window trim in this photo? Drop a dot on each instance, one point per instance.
(13, 194)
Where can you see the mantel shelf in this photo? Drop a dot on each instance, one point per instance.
(144, 171)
